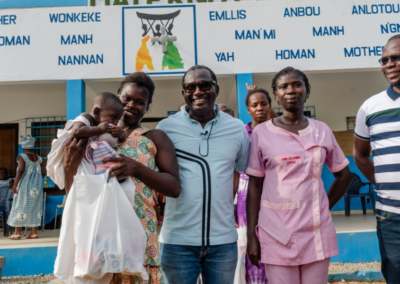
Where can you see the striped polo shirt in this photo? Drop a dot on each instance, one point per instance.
(378, 121)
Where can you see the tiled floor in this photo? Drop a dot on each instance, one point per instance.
(48, 238)
(354, 223)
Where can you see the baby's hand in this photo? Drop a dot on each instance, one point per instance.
(104, 127)
(116, 131)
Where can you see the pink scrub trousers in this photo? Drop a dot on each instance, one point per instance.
(311, 273)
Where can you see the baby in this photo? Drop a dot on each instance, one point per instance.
(101, 126)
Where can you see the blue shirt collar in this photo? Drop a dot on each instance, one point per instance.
(392, 93)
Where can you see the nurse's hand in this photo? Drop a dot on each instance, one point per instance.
(254, 251)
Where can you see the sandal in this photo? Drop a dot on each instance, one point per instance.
(15, 237)
(35, 236)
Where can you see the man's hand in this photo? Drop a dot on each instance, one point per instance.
(14, 191)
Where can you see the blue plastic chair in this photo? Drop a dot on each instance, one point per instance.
(354, 191)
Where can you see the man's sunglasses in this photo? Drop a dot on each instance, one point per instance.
(393, 58)
(203, 86)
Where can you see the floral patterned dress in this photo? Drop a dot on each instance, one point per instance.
(143, 150)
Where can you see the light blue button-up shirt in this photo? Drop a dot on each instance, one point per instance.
(203, 213)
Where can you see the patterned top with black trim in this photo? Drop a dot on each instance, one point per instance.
(143, 150)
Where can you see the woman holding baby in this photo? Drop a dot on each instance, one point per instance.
(140, 153)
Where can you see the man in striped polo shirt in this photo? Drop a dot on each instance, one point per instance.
(378, 128)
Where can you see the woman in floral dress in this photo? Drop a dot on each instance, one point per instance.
(142, 151)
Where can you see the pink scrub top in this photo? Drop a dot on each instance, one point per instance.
(294, 225)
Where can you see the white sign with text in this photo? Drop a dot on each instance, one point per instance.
(230, 38)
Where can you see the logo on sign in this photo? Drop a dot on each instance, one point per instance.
(159, 40)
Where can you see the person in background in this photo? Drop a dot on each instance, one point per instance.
(271, 113)
(6, 194)
(198, 234)
(181, 107)
(296, 236)
(28, 191)
(377, 129)
(225, 108)
(5, 180)
(258, 104)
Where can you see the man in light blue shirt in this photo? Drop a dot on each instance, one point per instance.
(198, 233)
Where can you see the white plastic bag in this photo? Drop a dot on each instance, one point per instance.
(65, 261)
(107, 236)
(55, 167)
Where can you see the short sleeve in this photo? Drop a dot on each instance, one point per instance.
(335, 158)
(242, 157)
(23, 156)
(256, 162)
(362, 130)
(161, 125)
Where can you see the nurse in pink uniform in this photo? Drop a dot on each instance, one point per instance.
(289, 226)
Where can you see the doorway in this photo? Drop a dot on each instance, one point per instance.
(9, 147)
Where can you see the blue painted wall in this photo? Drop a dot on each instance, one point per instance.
(51, 204)
(28, 261)
(76, 98)
(241, 93)
(353, 247)
(41, 3)
(357, 247)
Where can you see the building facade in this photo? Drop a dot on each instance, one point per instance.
(55, 58)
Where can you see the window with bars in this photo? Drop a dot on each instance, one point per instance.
(44, 130)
